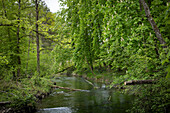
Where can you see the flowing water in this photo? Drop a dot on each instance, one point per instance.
(88, 100)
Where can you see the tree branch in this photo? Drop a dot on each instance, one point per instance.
(153, 24)
(39, 33)
(45, 49)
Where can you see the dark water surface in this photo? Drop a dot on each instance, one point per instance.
(89, 100)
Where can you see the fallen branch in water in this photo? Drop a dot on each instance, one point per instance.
(136, 82)
(66, 88)
(89, 82)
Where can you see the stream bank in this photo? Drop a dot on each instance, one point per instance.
(22, 95)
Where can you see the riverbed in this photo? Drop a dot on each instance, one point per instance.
(90, 99)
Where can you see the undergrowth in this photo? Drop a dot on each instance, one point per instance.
(151, 98)
(22, 93)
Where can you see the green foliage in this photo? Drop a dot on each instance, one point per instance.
(3, 60)
(153, 99)
(18, 44)
(168, 72)
(22, 94)
(20, 103)
(19, 82)
(166, 61)
(109, 35)
(116, 35)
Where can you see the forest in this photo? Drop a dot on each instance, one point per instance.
(110, 41)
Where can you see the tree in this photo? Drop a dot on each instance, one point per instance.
(10, 24)
(19, 32)
(37, 37)
(18, 38)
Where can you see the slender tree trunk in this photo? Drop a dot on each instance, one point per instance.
(153, 24)
(28, 55)
(11, 56)
(37, 38)
(18, 40)
(90, 66)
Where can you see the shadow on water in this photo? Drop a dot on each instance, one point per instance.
(88, 100)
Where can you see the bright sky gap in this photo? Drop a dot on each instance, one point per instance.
(53, 5)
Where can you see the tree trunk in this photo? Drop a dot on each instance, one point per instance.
(153, 24)
(37, 38)
(18, 39)
(90, 66)
(137, 82)
(28, 55)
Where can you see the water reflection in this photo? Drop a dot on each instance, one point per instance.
(88, 100)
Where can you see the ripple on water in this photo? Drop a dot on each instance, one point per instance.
(56, 110)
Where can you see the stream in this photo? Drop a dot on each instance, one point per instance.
(88, 100)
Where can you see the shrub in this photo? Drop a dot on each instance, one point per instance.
(153, 98)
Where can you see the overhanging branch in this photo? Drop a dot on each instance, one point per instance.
(152, 22)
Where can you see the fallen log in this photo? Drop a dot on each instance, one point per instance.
(137, 82)
(4, 103)
(66, 88)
